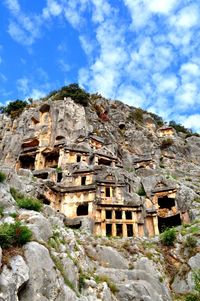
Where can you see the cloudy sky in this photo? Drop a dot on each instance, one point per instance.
(143, 52)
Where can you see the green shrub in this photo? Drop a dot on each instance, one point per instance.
(62, 270)
(74, 91)
(167, 143)
(180, 128)
(29, 203)
(168, 237)
(14, 234)
(195, 295)
(191, 242)
(2, 177)
(141, 191)
(14, 108)
(105, 278)
(136, 115)
(15, 194)
(159, 121)
(192, 297)
(1, 211)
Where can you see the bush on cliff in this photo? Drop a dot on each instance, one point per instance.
(14, 234)
(168, 237)
(25, 202)
(2, 177)
(29, 203)
(14, 108)
(75, 92)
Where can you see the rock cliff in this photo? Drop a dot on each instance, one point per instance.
(110, 178)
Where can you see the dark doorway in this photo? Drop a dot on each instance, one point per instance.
(51, 159)
(75, 226)
(82, 210)
(168, 222)
(83, 181)
(108, 229)
(59, 177)
(122, 126)
(107, 192)
(78, 158)
(108, 214)
(43, 175)
(119, 229)
(166, 202)
(129, 230)
(102, 161)
(27, 162)
(128, 214)
(118, 214)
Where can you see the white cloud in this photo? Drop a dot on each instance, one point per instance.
(3, 77)
(13, 6)
(87, 44)
(102, 9)
(25, 87)
(166, 83)
(190, 68)
(142, 10)
(53, 8)
(191, 122)
(187, 95)
(36, 94)
(64, 66)
(131, 96)
(186, 18)
(163, 7)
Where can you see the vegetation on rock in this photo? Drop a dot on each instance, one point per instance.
(195, 294)
(25, 202)
(2, 177)
(168, 237)
(78, 94)
(166, 143)
(14, 108)
(29, 204)
(180, 128)
(14, 234)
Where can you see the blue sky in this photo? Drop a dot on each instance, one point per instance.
(145, 53)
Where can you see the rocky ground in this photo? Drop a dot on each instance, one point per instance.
(60, 263)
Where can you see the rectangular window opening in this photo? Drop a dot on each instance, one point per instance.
(108, 229)
(83, 181)
(118, 214)
(107, 192)
(108, 214)
(119, 229)
(78, 158)
(59, 177)
(129, 230)
(128, 214)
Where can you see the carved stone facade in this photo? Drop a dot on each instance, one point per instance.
(86, 180)
(84, 176)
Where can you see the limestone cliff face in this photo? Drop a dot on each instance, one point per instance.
(106, 171)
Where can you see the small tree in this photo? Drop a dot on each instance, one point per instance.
(168, 237)
(14, 108)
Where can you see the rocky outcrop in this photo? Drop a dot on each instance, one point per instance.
(84, 151)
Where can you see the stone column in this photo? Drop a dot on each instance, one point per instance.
(155, 225)
(103, 224)
(90, 209)
(114, 231)
(135, 225)
(124, 230)
(124, 227)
